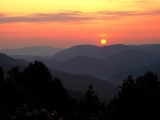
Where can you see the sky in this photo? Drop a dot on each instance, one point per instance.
(65, 23)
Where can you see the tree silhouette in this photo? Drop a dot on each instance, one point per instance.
(137, 99)
(32, 93)
(14, 73)
(35, 87)
(1, 74)
(50, 92)
(61, 98)
(89, 107)
(12, 96)
(37, 76)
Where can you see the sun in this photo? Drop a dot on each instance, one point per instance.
(103, 41)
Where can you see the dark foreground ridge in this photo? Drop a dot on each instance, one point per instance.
(31, 93)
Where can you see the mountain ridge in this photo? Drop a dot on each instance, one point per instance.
(101, 52)
(32, 50)
(85, 50)
(72, 82)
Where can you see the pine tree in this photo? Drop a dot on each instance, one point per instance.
(90, 107)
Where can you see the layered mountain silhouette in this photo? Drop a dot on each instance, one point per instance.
(4, 59)
(30, 57)
(105, 62)
(147, 47)
(74, 83)
(7, 62)
(119, 76)
(90, 51)
(86, 50)
(101, 52)
(34, 50)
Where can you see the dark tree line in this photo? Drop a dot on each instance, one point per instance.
(137, 99)
(30, 93)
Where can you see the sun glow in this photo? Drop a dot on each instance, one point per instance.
(53, 22)
(103, 41)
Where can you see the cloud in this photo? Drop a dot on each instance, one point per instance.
(128, 13)
(72, 16)
(156, 12)
(1, 15)
(67, 16)
(143, 32)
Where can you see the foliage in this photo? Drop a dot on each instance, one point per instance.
(89, 107)
(34, 87)
(1, 74)
(23, 113)
(137, 99)
(31, 93)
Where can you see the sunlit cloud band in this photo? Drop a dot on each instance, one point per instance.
(72, 16)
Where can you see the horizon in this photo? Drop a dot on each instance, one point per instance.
(78, 45)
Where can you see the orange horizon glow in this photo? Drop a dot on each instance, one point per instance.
(67, 23)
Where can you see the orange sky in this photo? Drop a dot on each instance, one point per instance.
(64, 23)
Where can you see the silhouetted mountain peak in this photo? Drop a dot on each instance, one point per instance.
(4, 58)
(9, 60)
(66, 54)
(32, 50)
(107, 51)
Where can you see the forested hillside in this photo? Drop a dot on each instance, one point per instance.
(32, 94)
(75, 84)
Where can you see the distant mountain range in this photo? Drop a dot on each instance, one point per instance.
(107, 62)
(128, 60)
(101, 52)
(86, 50)
(74, 83)
(4, 59)
(34, 50)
